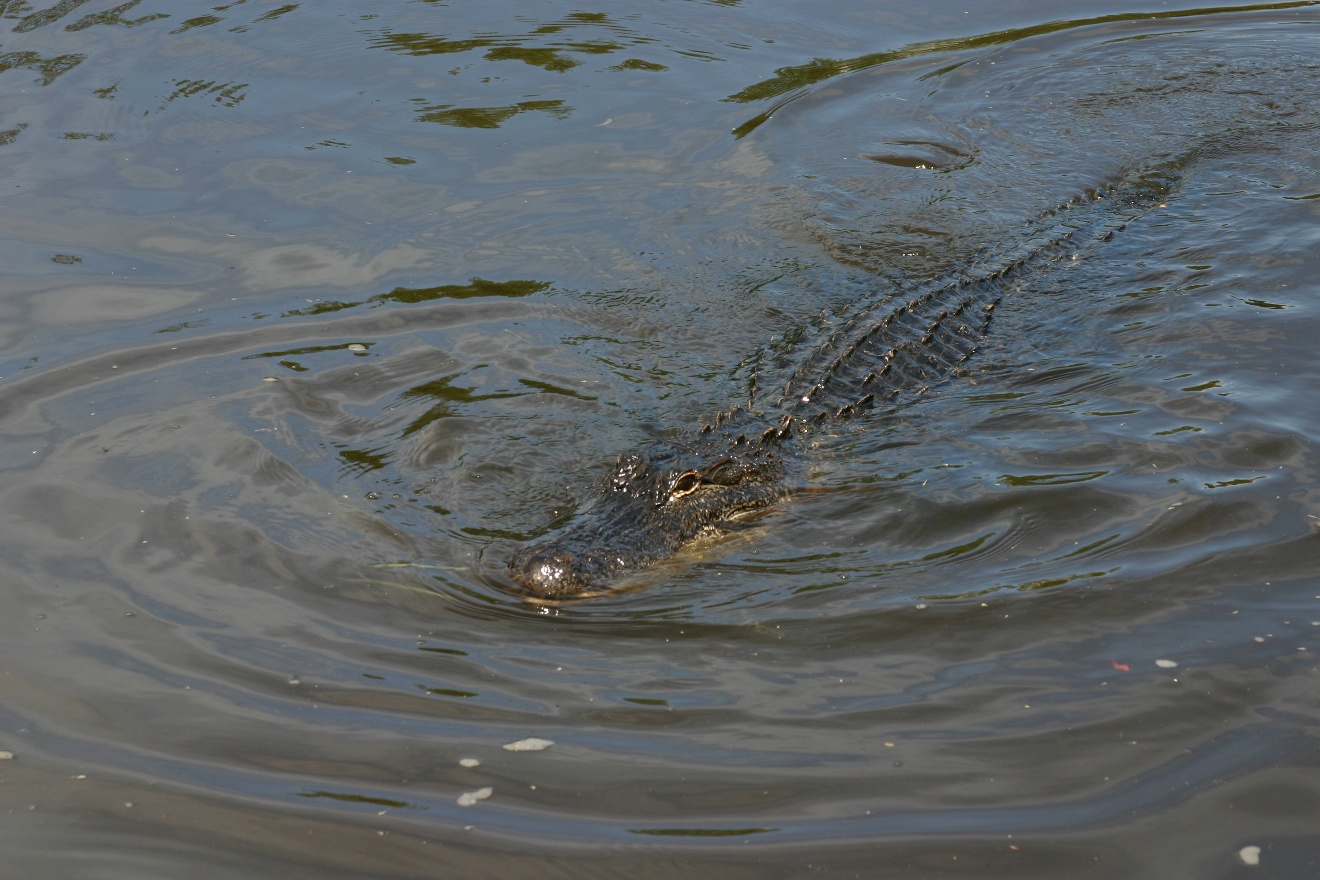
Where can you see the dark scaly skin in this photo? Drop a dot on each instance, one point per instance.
(655, 502)
(669, 495)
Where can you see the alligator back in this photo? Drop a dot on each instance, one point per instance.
(899, 346)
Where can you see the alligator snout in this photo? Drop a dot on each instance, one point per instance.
(551, 571)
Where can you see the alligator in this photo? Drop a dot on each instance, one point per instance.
(887, 354)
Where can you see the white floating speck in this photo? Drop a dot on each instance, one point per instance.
(468, 798)
(356, 346)
(1166, 664)
(6, 756)
(531, 744)
(1250, 855)
(468, 762)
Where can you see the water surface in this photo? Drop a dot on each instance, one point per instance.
(315, 315)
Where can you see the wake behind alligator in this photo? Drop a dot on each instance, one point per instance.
(889, 353)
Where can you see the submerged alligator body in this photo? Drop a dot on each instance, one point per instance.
(669, 495)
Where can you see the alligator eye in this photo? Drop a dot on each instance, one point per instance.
(684, 484)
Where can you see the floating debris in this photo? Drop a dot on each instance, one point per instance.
(468, 798)
(356, 346)
(468, 762)
(531, 744)
(1166, 664)
(1250, 855)
(6, 756)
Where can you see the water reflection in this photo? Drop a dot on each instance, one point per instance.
(790, 79)
(48, 68)
(477, 287)
(291, 370)
(552, 47)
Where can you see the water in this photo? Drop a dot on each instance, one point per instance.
(315, 315)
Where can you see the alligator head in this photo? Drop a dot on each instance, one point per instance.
(655, 502)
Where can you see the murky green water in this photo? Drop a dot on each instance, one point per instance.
(314, 315)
